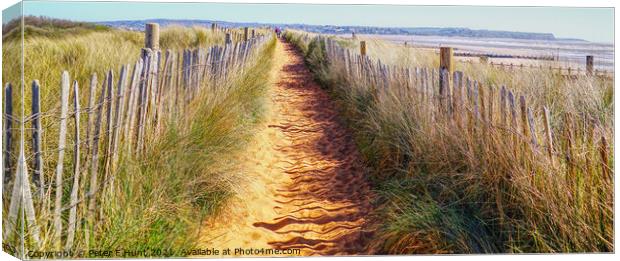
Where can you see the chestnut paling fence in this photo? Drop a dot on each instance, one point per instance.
(562, 70)
(565, 70)
(566, 160)
(464, 101)
(125, 111)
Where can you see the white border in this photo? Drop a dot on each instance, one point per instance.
(566, 3)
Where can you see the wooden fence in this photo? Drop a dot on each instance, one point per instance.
(568, 71)
(488, 112)
(125, 111)
(565, 71)
(510, 56)
(236, 34)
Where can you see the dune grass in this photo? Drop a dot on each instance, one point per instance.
(542, 87)
(187, 174)
(159, 198)
(92, 51)
(448, 189)
(82, 55)
(35, 26)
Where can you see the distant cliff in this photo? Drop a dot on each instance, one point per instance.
(333, 29)
(438, 31)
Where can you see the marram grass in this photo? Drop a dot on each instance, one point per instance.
(158, 200)
(446, 189)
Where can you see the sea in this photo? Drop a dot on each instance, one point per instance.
(569, 52)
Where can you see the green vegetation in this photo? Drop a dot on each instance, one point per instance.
(187, 175)
(47, 27)
(446, 188)
(92, 51)
(159, 198)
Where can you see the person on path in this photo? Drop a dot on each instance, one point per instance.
(278, 32)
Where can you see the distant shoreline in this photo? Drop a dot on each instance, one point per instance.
(334, 29)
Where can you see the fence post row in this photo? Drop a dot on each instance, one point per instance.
(457, 93)
(567, 71)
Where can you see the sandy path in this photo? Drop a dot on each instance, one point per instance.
(305, 180)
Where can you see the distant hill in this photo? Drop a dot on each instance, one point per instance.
(334, 29)
(435, 31)
(47, 27)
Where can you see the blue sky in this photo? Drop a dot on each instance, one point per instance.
(593, 24)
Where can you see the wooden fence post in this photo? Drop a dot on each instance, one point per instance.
(91, 104)
(94, 163)
(8, 122)
(21, 197)
(62, 138)
(605, 166)
(445, 58)
(151, 36)
(531, 123)
(363, 48)
(589, 65)
(71, 226)
(444, 90)
(446, 65)
(475, 100)
(524, 121)
(109, 121)
(119, 110)
(549, 138)
(245, 33)
(227, 39)
(490, 104)
(484, 59)
(132, 105)
(502, 106)
(457, 96)
(513, 111)
(213, 26)
(151, 39)
(37, 175)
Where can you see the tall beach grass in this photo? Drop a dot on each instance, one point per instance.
(473, 188)
(160, 197)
